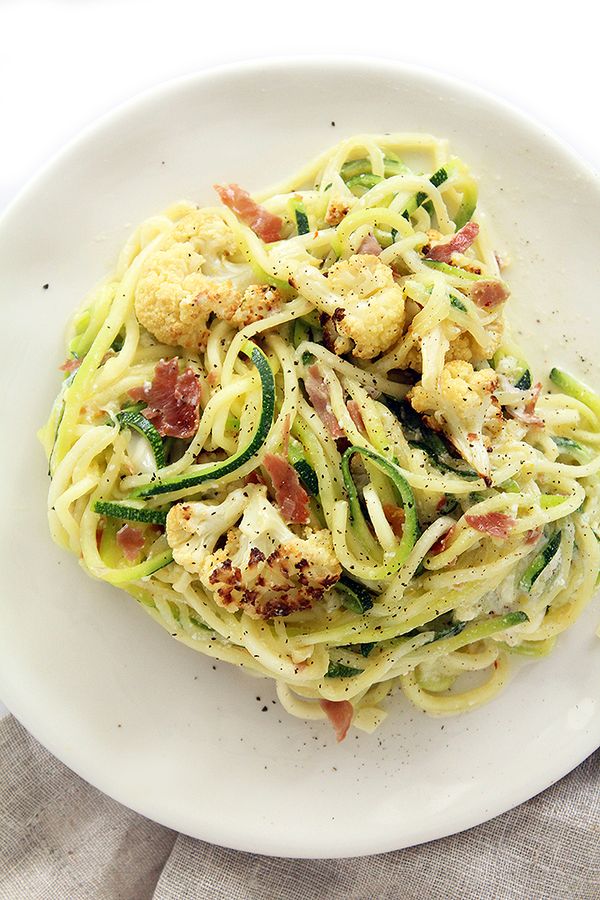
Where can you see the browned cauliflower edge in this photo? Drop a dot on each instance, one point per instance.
(264, 569)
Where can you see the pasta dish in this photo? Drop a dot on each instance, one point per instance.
(295, 427)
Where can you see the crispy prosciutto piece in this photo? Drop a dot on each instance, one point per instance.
(533, 535)
(370, 244)
(318, 394)
(495, 524)
(535, 393)
(70, 365)
(458, 243)
(353, 408)
(290, 496)
(73, 363)
(339, 713)
(131, 540)
(395, 516)
(173, 400)
(442, 542)
(526, 418)
(489, 294)
(261, 221)
(254, 478)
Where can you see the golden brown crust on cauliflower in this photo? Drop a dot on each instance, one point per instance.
(264, 569)
(332, 339)
(292, 578)
(336, 211)
(259, 301)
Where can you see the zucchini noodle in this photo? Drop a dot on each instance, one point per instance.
(296, 430)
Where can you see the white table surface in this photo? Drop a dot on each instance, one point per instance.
(63, 63)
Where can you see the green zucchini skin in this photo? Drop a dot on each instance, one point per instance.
(450, 631)
(566, 443)
(524, 382)
(460, 634)
(114, 509)
(360, 184)
(68, 381)
(302, 222)
(392, 165)
(339, 670)
(572, 448)
(449, 505)
(464, 633)
(355, 167)
(520, 375)
(447, 269)
(438, 178)
(306, 473)
(300, 215)
(467, 473)
(411, 522)
(355, 596)
(533, 571)
(300, 332)
(307, 476)
(358, 176)
(430, 442)
(131, 418)
(457, 304)
(218, 470)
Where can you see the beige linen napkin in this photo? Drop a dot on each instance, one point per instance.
(61, 839)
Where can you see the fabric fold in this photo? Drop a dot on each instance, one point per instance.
(61, 839)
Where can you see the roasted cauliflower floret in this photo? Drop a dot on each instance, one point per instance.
(463, 408)
(264, 568)
(362, 299)
(258, 302)
(336, 211)
(462, 346)
(174, 299)
(209, 234)
(192, 277)
(193, 529)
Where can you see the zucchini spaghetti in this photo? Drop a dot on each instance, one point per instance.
(294, 427)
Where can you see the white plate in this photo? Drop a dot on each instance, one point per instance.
(149, 721)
